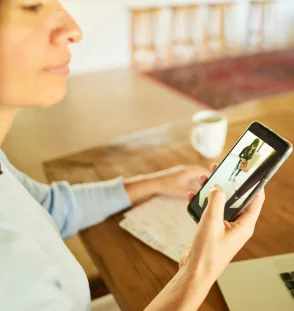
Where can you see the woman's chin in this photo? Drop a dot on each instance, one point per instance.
(53, 98)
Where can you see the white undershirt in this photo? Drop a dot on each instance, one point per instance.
(37, 271)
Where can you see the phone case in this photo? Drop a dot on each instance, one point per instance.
(267, 177)
(263, 182)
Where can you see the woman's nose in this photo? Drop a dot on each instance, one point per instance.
(68, 31)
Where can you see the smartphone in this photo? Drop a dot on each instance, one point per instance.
(250, 164)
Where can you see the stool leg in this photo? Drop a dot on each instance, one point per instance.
(152, 20)
(171, 36)
(205, 35)
(174, 20)
(261, 29)
(194, 16)
(133, 39)
(249, 30)
(222, 31)
(191, 28)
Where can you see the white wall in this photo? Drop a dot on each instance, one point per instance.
(106, 27)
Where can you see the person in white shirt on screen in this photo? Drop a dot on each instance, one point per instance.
(37, 271)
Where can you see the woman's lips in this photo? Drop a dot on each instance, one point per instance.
(61, 70)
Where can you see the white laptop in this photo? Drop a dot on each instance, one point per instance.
(265, 284)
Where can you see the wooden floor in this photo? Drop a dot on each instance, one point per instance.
(98, 108)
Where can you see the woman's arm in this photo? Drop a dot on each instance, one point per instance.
(80, 206)
(215, 244)
(242, 153)
(185, 292)
(74, 208)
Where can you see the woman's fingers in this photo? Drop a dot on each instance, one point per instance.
(250, 215)
(191, 196)
(216, 203)
(202, 179)
(213, 167)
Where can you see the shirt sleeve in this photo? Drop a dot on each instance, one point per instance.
(76, 207)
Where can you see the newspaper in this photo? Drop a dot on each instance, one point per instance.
(162, 223)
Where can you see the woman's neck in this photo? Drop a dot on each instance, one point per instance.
(6, 118)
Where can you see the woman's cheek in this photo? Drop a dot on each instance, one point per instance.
(26, 48)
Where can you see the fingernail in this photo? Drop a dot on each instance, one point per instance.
(214, 187)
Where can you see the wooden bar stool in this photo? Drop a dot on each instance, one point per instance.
(183, 18)
(223, 11)
(143, 35)
(262, 10)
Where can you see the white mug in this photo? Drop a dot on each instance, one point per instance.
(209, 132)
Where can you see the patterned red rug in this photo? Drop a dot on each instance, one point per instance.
(230, 81)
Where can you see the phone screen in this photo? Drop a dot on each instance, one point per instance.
(241, 171)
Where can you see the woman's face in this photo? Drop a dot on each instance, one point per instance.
(34, 52)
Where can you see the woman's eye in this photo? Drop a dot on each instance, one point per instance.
(33, 8)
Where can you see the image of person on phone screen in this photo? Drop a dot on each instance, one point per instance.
(244, 157)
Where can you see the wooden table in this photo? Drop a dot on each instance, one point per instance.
(135, 273)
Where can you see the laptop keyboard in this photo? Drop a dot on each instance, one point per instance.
(288, 278)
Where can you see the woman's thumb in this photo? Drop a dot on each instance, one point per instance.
(216, 202)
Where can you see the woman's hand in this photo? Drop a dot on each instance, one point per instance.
(217, 241)
(179, 180)
(174, 182)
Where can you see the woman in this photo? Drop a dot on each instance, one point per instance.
(37, 270)
(246, 155)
